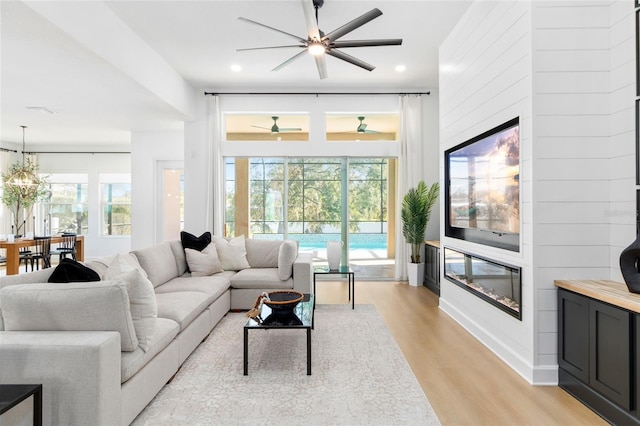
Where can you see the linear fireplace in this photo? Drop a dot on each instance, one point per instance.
(493, 282)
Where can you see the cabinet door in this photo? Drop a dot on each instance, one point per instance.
(432, 268)
(573, 334)
(609, 352)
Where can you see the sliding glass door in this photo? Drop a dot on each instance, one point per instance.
(312, 200)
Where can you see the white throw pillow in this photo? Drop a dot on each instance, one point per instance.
(205, 262)
(286, 257)
(232, 253)
(85, 306)
(142, 297)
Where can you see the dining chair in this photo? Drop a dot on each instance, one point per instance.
(42, 252)
(67, 247)
(24, 253)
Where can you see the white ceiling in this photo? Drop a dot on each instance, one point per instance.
(109, 68)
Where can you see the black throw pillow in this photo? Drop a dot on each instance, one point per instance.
(68, 271)
(196, 243)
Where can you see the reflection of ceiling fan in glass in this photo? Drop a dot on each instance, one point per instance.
(275, 129)
(319, 44)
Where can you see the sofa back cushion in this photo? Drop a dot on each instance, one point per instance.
(263, 253)
(158, 262)
(178, 253)
(86, 306)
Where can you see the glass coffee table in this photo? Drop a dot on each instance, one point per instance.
(302, 319)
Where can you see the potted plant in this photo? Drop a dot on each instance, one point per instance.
(416, 211)
(21, 189)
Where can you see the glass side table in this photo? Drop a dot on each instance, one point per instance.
(343, 271)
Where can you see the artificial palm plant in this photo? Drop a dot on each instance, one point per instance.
(416, 211)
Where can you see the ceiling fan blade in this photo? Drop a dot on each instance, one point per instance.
(290, 129)
(350, 26)
(372, 132)
(310, 19)
(367, 43)
(301, 40)
(291, 59)
(321, 64)
(348, 58)
(260, 127)
(269, 47)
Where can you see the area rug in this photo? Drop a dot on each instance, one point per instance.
(359, 377)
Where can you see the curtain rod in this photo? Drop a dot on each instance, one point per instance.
(8, 150)
(77, 152)
(315, 94)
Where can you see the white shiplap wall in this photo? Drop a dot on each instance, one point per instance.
(577, 153)
(485, 80)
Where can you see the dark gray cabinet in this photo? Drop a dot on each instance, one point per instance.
(597, 356)
(432, 267)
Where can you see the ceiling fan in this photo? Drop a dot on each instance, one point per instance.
(275, 129)
(318, 43)
(362, 128)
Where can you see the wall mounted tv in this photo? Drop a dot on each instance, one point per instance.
(482, 188)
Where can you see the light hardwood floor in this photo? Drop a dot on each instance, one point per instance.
(464, 381)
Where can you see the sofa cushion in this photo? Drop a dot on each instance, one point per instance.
(214, 286)
(232, 253)
(263, 253)
(68, 271)
(205, 262)
(159, 262)
(182, 306)
(178, 253)
(142, 298)
(286, 258)
(266, 278)
(165, 330)
(92, 306)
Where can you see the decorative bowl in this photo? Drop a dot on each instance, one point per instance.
(283, 302)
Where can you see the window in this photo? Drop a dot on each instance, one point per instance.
(68, 204)
(364, 127)
(267, 127)
(115, 204)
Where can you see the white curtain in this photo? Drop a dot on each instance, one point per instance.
(410, 165)
(215, 173)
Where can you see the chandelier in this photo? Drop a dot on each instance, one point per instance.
(23, 178)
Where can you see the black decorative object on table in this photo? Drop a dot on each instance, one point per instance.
(629, 266)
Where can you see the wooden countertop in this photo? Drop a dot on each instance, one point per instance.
(433, 243)
(612, 292)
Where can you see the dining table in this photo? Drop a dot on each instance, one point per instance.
(13, 250)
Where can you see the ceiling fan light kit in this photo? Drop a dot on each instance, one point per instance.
(319, 44)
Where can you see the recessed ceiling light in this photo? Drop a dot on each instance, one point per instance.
(42, 109)
(400, 68)
(236, 68)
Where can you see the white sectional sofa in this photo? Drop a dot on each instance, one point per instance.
(88, 378)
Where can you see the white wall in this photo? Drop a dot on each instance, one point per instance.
(485, 80)
(147, 148)
(567, 69)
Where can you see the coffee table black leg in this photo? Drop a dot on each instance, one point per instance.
(246, 351)
(308, 351)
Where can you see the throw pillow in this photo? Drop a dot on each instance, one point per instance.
(205, 262)
(68, 270)
(96, 306)
(286, 258)
(232, 253)
(196, 243)
(142, 298)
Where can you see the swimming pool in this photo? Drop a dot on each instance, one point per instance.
(309, 242)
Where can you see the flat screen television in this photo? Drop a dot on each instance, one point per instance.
(482, 190)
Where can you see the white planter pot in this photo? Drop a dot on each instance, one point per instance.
(415, 273)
